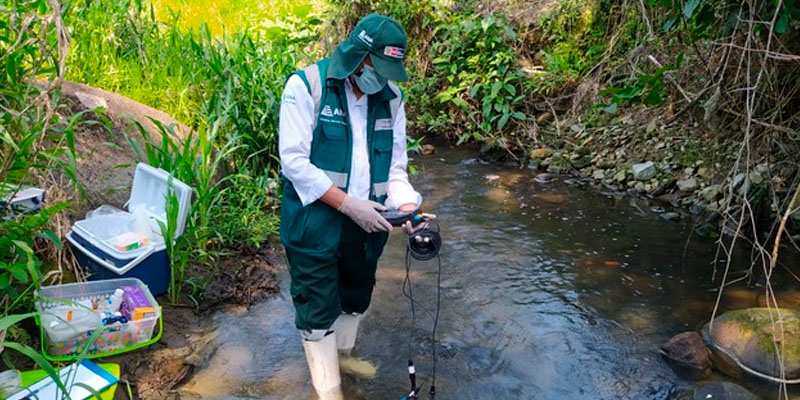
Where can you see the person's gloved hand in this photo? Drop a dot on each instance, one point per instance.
(365, 214)
(424, 224)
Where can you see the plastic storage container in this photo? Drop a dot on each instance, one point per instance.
(93, 238)
(28, 200)
(10, 382)
(60, 344)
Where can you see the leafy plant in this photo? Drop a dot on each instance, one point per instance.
(34, 141)
(475, 90)
(20, 268)
(648, 89)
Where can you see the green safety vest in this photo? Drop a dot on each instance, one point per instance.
(315, 228)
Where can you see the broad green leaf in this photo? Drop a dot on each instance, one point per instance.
(9, 320)
(689, 8)
(19, 273)
(51, 236)
(510, 32)
(302, 10)
(34, 272)
(782, 23)
(496, 88)
(22, 245)
(652, 98)
(503, 121)
(460, 102)
(511, 89)
(487, 109)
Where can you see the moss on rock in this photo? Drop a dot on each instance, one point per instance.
(758, 338)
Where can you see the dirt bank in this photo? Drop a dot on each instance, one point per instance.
(247, 277)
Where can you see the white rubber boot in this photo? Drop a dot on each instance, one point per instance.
(323, 363)
(346, 328)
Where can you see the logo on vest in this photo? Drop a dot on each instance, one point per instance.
(383, 124)
(367, 39)
(327, 111)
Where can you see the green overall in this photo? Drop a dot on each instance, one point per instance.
(332, 261)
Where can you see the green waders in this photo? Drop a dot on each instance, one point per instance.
(332, 261)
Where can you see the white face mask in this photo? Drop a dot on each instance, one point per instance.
(369, 81)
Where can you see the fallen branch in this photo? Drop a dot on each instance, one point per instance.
(670, 78)
(768, 53)
(779, 128)
(690, 105)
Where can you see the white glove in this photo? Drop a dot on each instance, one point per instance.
(424, 224)
(365, 214)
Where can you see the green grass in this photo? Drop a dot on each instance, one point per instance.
(230, 16)
(226, 84)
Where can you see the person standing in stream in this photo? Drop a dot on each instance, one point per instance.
(343, 158)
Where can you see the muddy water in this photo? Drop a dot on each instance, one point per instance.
(549, 291)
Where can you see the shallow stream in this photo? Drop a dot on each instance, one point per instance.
(549, 291)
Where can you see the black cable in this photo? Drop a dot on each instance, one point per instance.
(432, 392)
(424, 244)
(408, 292)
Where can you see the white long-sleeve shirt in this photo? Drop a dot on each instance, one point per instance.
(297, 122)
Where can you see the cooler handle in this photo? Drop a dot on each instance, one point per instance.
(118, 270)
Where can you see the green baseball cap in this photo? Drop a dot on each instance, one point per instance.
(378, 36)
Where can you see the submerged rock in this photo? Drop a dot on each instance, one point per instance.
(723, 391)
(671, 216)
(544, 178)
(688, 353)
(753, 338)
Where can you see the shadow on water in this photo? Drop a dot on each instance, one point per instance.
(549, 291)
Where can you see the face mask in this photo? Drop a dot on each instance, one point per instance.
(369, 81)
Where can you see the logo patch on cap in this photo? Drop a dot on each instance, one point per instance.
(367, 39)
(394, 52)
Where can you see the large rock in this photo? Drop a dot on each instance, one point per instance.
(751, 339)
(644, 171)
(688, 353)
(540, 153)
(105, 163)
(687, 185)
(723, 391)
(121, 108)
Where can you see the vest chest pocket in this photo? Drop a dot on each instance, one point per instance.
(329, 147)
(382, 157)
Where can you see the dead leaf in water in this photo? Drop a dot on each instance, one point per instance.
(552, 198)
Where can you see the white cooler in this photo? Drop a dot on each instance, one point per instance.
(92, 238)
